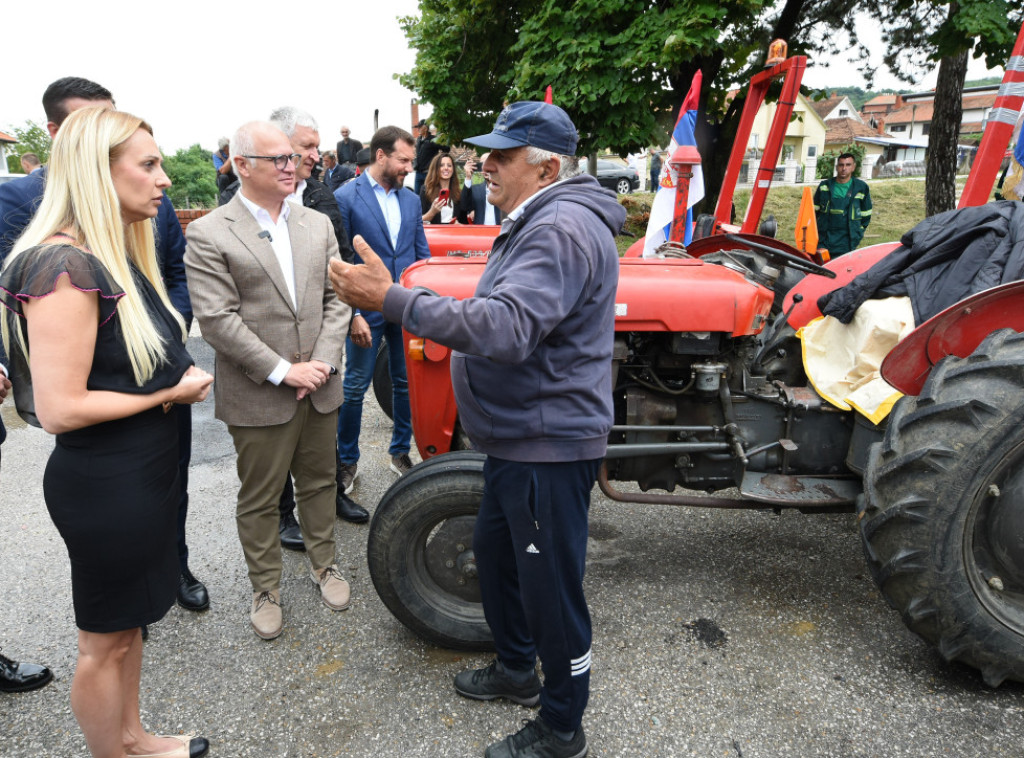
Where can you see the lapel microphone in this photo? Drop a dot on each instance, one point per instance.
(266, 234)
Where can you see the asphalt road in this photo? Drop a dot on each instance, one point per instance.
(716, 633)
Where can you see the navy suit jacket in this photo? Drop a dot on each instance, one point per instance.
(474, 199)
(361, 214)
(19, 199)
(170, 253)
(337, 176)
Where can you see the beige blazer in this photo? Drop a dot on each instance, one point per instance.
(241, 302)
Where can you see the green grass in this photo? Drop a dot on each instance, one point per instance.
(898, 207)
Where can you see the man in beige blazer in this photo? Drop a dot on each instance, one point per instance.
(258, 277)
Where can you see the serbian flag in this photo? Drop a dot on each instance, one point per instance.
(659, 227)
(1015, 178)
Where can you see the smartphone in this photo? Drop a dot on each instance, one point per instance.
(443, 196)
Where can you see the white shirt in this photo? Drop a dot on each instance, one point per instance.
(281, 244)
(389, 206)
(296, 196)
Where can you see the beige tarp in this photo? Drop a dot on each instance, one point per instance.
(842, 360)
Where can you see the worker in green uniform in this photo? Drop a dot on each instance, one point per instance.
(842, 206)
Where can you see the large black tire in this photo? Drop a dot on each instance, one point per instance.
(943, 527)
(420, 551)
(382, 381)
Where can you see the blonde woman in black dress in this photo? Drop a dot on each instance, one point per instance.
(85, 302)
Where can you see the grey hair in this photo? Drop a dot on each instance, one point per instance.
(568, 165)
(222, 143)
(288, 118)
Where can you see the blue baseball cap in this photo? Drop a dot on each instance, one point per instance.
(532, 123)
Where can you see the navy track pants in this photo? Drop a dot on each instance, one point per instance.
(530, 544)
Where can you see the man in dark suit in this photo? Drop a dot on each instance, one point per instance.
(18, 202)
(347, 149)
(20, 198)
(335, 174)
(377, 206)
(15, 676)
(257, 270)
(474, 199)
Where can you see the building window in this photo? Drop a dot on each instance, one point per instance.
(843, 113)
(898, 128)
(925, 128)
(812, 150)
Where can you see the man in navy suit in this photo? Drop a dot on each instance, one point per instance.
(335, 174)
(474, 199)
(20, 198)
(15, 676)
(378, 207)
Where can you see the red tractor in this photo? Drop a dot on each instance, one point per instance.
(711, 396)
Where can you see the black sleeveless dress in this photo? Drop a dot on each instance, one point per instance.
(111, 488)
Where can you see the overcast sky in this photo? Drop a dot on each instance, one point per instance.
(197, 70)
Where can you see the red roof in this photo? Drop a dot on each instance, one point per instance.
(979, 101)
(918, 113)
(826, 106)
(843, 131)
(4, 137)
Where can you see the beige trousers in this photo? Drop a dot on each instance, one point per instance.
(305, 445)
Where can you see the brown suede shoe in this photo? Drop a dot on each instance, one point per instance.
(266, 614)
(334, 589)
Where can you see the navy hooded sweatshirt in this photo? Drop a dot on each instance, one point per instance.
(532, 349)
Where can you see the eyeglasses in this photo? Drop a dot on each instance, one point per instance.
(280, 161)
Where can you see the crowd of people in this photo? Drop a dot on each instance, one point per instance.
(294, 285)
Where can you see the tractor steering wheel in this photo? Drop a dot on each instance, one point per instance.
(783, 258)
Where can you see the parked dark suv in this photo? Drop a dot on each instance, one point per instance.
(622, 179)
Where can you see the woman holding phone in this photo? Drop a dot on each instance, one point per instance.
(440, 192)
(98, 359)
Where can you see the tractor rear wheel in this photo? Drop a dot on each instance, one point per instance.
(943, 521)
(420, 551)
(382, 389)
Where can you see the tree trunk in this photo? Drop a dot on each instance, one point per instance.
(940, 166)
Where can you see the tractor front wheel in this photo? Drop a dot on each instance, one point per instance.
(420, 551)
(943, 523)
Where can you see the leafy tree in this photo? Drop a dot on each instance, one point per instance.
(920, 32)
(464, 64)
(619, 67)
(194, 180)
(32, 138)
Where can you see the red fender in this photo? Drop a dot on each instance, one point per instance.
(958, 330)
(811, 287)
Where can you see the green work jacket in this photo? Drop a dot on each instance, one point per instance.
(841, 222)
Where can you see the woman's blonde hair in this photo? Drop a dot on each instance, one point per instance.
(80, 196)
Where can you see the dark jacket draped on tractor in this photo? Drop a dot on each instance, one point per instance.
(942, 260)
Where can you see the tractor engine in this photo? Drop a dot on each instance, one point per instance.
(699, 410)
